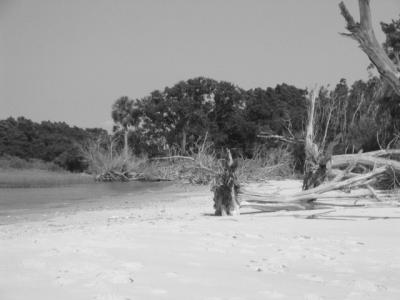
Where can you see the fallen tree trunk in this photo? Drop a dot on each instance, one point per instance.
(305, 197)
(384, 152)
(354, 181)
(343, 160)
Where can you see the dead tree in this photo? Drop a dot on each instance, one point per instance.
(364, 34)
(226, 188)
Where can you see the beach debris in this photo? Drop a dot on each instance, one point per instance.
(351, 180)
(111, 176)
(330, 181)
(225, 188)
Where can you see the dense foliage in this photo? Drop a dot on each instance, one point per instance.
(54, 142)
(176, 119)
(179, 117)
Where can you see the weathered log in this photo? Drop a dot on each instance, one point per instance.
(358, 180)
(338, 175)
(374, 193)
(363, 33)
(366, 159)
(384, 152)
(311, 195)
(270, 207)
(247, 197)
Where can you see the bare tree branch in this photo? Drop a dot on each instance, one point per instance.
(281, 138)
(364, 34)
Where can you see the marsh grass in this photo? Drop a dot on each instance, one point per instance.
(16, 163)
(30, 178)
(274, 163)
(101, 158)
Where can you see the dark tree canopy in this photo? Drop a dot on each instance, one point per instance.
(178, 117)
(49, 141)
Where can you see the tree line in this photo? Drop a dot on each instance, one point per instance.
(177, 119)
(55, 142)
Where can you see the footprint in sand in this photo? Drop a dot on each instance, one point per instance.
(133, 266)
(117, 277)
(194, 264)
(267, 266)
(247, 251)
(216, 250)
(253, 236)
(367, 286)
(311, 277)
(34, 264)
(63, 281)
(344, 270)
(171, 275)
(272, 294)
(313, 297)
(109, 296)
(158, 292)
(338, 283)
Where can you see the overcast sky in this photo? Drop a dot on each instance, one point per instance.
(70, 60)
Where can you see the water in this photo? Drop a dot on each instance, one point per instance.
(20, 201)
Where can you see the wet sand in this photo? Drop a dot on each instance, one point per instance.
(19, 204)
(176, 249)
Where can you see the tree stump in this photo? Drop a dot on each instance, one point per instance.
(226, 188)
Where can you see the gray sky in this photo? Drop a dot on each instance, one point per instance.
(70, 60)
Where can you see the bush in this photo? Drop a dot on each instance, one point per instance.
(101, 158)
(266, 164)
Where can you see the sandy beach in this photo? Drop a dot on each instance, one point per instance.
(179, 250)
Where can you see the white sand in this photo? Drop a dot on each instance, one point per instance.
(176, 250)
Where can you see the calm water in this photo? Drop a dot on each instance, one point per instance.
(19, 201)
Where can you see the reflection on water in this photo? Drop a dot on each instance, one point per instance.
(14, 200)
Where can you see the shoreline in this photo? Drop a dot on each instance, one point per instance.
(145, 194)
(179, 250)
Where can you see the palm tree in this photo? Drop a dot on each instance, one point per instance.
(122, 116)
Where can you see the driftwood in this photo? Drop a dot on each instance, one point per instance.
(346, 189)
(316, 197)
(290, 140)
(113, 176)
(329, 181)
(365, 159)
